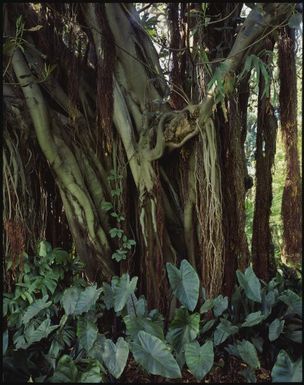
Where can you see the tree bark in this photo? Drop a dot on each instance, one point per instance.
(291, 201)
(262, 247)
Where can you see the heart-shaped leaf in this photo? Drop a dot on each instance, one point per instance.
(66, 371)
(294, 335)
(284, 370)
(199, 359)
(137, 307)
(87, 299)
(135, 324)
(293, 301)
(119, 293)
(206, 306)
(253, 319)
(154, 356)
(69, 299)
(76, 301)
(34, 334)
(35, 308)
(223, 330)
(220, 304)
(185, 283)
(115, 356)
(250, 283)
(86, 332)
(207, 325)
(275, 329)
(248, 354)
(184, 328)
(97, 348)
(92, 374)
(123, 290)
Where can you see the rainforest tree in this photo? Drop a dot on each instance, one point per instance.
(292, 193)
(85, 94)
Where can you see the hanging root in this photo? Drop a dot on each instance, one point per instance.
(209, 209)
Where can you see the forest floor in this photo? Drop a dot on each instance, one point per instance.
(229, 373)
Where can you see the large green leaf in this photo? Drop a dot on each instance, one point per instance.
(154, 356)
(253, 319)
(35, 308)
(223, 330)
(66, 371)
(119, 293)
(86, 332)
(98, 348)
(199, 359)
(294, 335)
(275, 329)
(69, 299)
(220, 304)
(268, 301)
(44, 249)
(92, 374)
(250, 283)
(248, 354)
(76, 301)
(108, 295)
(33, 334)
(207, 325)
(185, 283)
(206, 306)
(184, 328)
(293, 301)
(284, 370)
(87, 299)
(123, 290)
(115, 356)
(135, 324)
(137, 307)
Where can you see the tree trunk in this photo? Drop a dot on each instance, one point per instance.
(231, 126)
(291, 200)
(233, 192)
(262, 248)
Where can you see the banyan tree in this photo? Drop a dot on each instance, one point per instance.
(93, 120)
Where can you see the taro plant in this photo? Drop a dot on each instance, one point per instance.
(56, 329)
(54, 332)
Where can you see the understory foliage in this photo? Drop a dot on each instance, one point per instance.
(60, 326)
